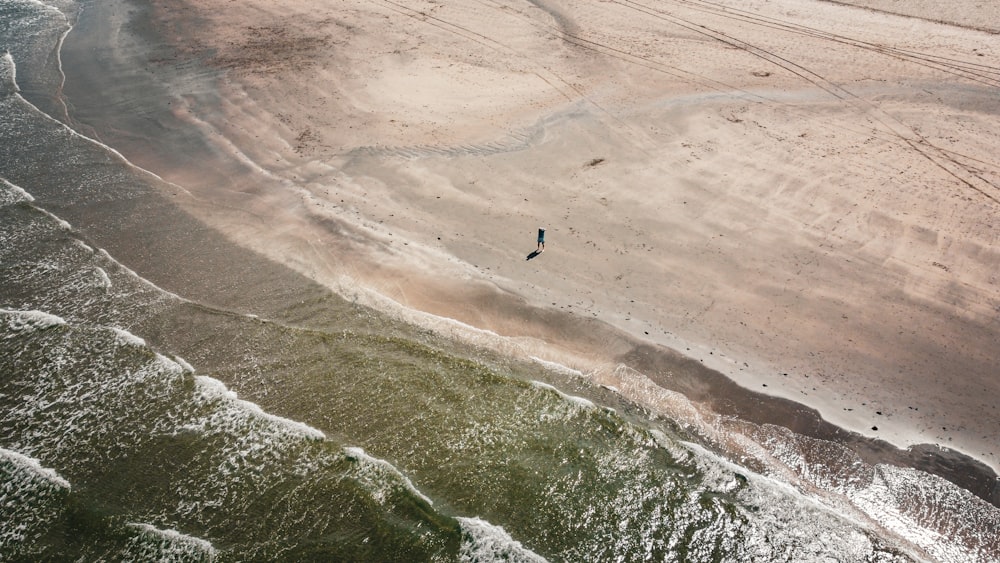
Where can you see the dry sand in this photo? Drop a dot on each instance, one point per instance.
(803, 195)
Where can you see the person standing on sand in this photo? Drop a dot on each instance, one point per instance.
(541, 239)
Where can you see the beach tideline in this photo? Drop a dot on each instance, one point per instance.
(798, 194)
(801, 195)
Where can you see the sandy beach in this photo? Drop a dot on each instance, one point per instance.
(799, 195)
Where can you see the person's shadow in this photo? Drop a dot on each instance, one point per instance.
(533, 254)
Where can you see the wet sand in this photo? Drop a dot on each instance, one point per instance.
(783, 214)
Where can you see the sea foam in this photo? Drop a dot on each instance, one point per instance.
(8, 75)
(13, 194)
(557, 367)
(948, 522)
(31, 320)
(211, 388)
(360, 455)
(168, 545)
(107, 256)
(34, 467)
(30, 499)
(103, 275)
(579, 401)
(127, 338)
(485, 542)
(184, 364)
(61, 222)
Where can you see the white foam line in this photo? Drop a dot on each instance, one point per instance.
(300, 427)
(104, 253)
(391, 305)
(40, 319)
(184, 364)
(174, 536)
(792, 491)
(492, 543)
(169, 364)
(882, 499)
(127, 337)
(75, 133)
(13, 70)
(18, 190)
(586, 403)
(557, 367)
(62, 222)
(352, 290)
(132, 273)
(882, 508)
(778, 484)
(764, 479)
(35, 467)
(360, 454)
(349, 288)
(105, 279)
(212, 387)
(48, 7)
(168, 293)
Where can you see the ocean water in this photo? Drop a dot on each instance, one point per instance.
(281, 422)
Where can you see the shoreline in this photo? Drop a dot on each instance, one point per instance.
(384, 264)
